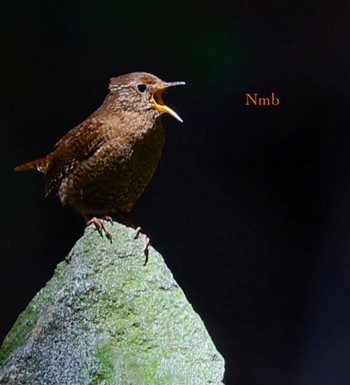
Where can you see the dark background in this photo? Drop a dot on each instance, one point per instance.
(250, 205)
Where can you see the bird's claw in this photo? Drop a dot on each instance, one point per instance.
(109, 219)
(137, 232)
(100, 227)
(146, 242)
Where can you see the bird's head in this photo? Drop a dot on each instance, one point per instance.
(141, 91)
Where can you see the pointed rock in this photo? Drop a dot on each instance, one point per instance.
(105, 318)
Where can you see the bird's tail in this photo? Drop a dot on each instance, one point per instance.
(39, 164)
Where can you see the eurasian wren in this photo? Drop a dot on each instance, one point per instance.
(102, 166)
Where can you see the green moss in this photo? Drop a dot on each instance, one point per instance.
(18, 332)
(106, 319)
(27, 319)
(106, 362)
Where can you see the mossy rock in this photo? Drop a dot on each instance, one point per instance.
(105, 318)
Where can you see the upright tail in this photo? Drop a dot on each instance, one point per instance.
(39, 164)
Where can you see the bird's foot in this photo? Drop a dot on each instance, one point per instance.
(146, 242)
(100, 226)
(108, 219)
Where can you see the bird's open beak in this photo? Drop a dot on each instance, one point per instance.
(159, 103)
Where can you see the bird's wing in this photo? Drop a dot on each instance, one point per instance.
(78, 145)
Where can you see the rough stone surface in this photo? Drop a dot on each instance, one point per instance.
(106, 319)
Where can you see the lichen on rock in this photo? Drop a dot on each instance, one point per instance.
(105, 318)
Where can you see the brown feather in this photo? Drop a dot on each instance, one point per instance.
(102, 165)
(35, 165)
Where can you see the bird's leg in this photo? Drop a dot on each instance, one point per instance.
(145, 238)
(108, 219)
(146, 241)
(99, 224)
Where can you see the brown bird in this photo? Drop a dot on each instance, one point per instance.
(103, 165)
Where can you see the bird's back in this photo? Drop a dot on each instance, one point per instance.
(102, 166)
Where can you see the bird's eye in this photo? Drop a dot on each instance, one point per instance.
(141, 88)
